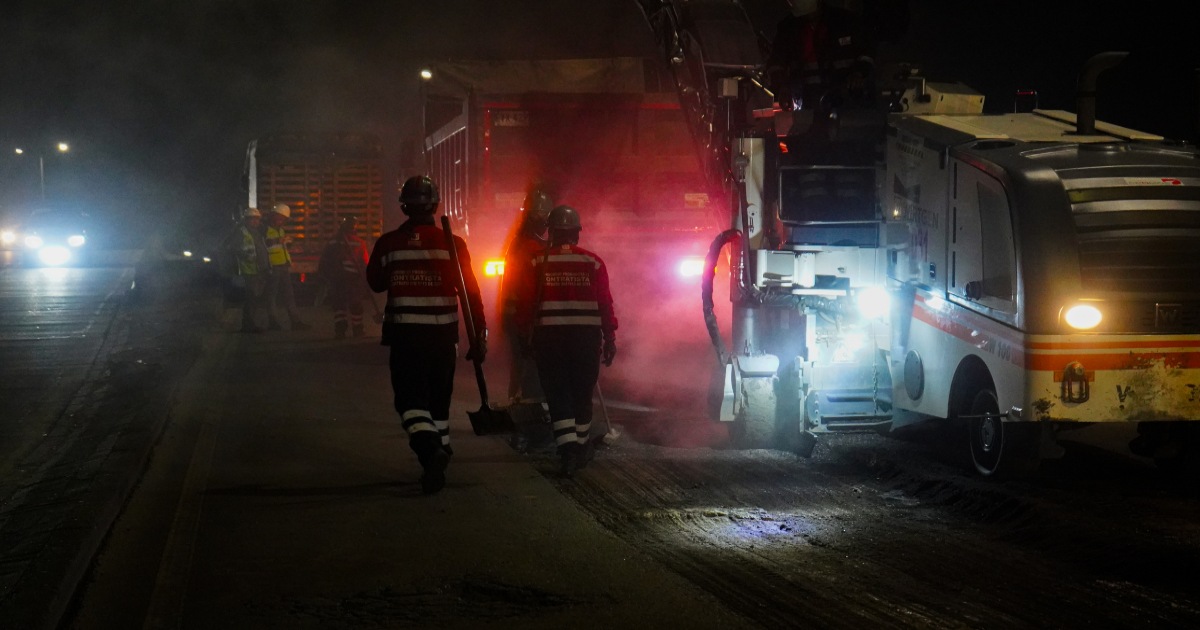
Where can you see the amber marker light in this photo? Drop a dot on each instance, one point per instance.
(493, 268)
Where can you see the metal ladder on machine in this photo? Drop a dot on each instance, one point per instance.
(678, 28)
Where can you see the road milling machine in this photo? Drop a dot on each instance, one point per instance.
(912, 259)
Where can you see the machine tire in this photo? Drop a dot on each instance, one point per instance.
(999, 449)
(755, 425)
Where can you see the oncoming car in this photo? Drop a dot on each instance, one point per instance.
(53, 238)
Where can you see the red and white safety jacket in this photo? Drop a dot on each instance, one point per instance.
(568, 286)
(412, 263)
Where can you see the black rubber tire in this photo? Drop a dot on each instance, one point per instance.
(999, 449)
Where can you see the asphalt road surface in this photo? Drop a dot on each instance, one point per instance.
(279, 492)
(86, 365)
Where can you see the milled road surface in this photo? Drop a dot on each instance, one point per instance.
(281, 494)
(878, 533)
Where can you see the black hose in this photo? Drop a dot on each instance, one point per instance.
(706, 290)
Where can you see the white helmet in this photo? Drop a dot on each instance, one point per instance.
(801, 8)
(251, 212)
(282, 209)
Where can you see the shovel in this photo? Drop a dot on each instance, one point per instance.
(486, 421)
(611, 434)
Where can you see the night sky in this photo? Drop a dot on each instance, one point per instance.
(158, 99)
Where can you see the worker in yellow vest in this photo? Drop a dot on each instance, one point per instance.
(279, 286)
(246, 251)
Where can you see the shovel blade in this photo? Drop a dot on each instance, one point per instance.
(489, 421)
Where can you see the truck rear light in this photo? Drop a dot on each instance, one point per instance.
(691, 267)
(493, 268)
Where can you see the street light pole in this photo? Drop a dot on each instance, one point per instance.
(62, 147)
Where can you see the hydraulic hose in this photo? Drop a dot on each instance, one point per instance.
(706, 290)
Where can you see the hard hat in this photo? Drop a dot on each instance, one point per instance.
(537, 209)
(348, 224)
(564, 218)
(419, 191)
(282, 209)
(251, 213)
(801, 8)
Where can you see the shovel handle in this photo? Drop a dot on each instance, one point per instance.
(462, 281)
(466, 307)
(479, 380)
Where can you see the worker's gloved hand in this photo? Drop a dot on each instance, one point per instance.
(478, 351)
(610, 351)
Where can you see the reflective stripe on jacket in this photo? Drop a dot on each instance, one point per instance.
(413, 265)
(570, 288)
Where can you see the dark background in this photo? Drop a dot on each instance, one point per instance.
(158, 99)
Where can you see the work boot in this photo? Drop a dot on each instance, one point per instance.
(358, 330)
(434, 460)
(339, 330)
(587, 451)
(569, 460)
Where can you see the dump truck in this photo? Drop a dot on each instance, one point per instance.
(1007, 276)
(322, 177)
(604, 135)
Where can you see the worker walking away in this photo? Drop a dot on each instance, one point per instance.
(280, 293)
(247, 249)
(568, 312)
(341, 269)
(524, 388)
(413, 265)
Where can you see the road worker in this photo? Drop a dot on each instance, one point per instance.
(246, 247)
(279, 287)
(524, 388)
(567, 311)
(343, 263)
(413, 264)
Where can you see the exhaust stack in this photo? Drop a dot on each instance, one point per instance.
(1085, 122)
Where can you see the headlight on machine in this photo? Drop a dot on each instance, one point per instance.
(8, 237)
(33, 242)
(873, 302)
(76, 240)
(1083, 317)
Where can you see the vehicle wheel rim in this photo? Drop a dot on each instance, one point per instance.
(986, 434)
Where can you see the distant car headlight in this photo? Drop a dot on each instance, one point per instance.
(54, 255)
(8, 237)
(1083, 317)
(187, 253)
(76, 240)
(33, 242)
(873, 302)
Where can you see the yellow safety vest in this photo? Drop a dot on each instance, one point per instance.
(276, 249)
(248, 261)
